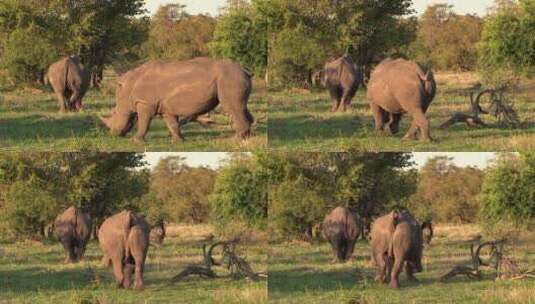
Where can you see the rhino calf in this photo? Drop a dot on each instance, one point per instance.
(341, 230)
(72, 228)
(124, 240)
(342, 78)
(427, 231)
(157, 233)
(70, 81)
(396, 241)
(400, 86)
(181, 92)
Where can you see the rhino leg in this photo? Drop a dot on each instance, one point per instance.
(396, 270)
(145, 114)
(346, 99)
(117, 264)
(62, 102)
(420, 122)
(378, 116)
(240, 122)
(349, 249)
(138, 244)
(410, 273)
(173, 125)
(128, 270)
(381, 267)
(335, 104)
(76, 100)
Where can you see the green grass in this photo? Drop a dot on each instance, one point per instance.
(32, 272)
(301, 120)
(30, 120)
(302, 273)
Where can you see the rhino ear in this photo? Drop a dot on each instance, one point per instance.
(395, 217)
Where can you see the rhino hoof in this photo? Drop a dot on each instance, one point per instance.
(177, 139)
(137, 140)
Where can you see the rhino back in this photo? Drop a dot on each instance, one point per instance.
(381, 234)
(341, 222)
(113, 232)
(412, 236)
(190, 87)
(83, 226)
(57, 75)
(64, 225)
(396, 85)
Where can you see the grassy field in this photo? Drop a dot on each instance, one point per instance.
(35, 273)
(301, 120)
(30, 120)
(302, 273)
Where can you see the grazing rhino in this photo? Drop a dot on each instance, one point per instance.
(341, 229)
(399, 86)
(427, 231)
(124, 240)
(396, 238)
(72, 228)
(70, 81)
(157, 233)
(342, 77)
(182, 90)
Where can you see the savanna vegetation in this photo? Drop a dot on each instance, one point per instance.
(467, 53)
(198, 204)
(111, 38)
(468, 205)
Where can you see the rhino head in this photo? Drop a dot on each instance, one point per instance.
(119, 123)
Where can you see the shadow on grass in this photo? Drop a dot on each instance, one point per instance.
(39, 126)
(40, 279)
(306, 279)
(307, 126)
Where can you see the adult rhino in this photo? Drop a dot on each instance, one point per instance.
(341, 230)
(396, 239)
(343, 78)
(182, 90)
(399, 86)
(70, 81)
(124, 240)
(72, 228)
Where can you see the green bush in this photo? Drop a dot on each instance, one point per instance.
(239, 195)
(294, 208)
(508, 195)
(29, 208)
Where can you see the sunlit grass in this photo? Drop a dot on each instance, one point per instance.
(31, 272)
(300, 120)
(302, 273)
(29, 120)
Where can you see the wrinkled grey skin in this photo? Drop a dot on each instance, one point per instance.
(341, 230)
(181, 90)
(396, 239)
(399, 86)
(124, 240)
(72, 228)
(70, 81)
(343, 78)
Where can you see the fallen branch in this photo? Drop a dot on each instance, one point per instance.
(469, 120)
(203, 272)
(498, 108)
(236, 265)
(496, 252)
